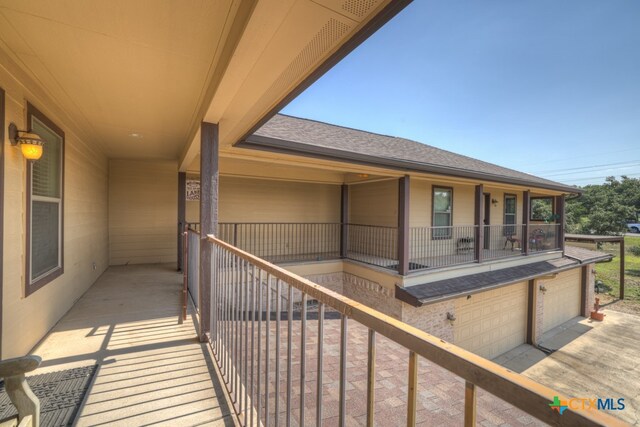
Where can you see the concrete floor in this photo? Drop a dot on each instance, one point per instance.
(152, 369)
(592, 359)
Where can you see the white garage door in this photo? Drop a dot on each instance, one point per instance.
(492, 322)
(562, 299)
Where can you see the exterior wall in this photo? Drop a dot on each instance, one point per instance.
(497, 212)
(259, 200)
(421, 202)
(372, 294)
(374, 203)
(591, 291)
(431, 318)
(27, 319)
(143, 210)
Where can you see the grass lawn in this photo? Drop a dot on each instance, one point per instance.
(609, 272)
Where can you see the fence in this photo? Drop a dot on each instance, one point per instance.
(441, 246)
(264, 358)
(372, 244)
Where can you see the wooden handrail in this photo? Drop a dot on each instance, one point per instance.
(521, 392)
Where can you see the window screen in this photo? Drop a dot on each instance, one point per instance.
(442, 212)
(509, 214)
(45, 214)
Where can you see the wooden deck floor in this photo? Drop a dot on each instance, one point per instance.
(152, 369)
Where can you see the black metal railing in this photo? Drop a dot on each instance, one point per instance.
(432, 247)
(373, 244)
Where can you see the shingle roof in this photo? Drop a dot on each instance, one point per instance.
(585, 256)
(304, 136)
(441, 290)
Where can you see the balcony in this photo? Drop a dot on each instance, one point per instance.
(429, 247)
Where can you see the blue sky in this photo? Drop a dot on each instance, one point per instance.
(546, 87)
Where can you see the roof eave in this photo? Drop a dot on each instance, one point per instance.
(265, 143)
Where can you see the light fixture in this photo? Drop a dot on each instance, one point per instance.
(30, 143)
(543, 289)
(494, 202)
(451, 318)
(363, 175)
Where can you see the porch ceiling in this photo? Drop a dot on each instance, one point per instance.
(159, 67)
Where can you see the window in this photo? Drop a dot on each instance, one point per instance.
(45, 204)
(510, 209)
(541, 209)
(442, 212)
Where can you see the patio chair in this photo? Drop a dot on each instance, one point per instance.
(20, 394)
(513, 239)
(537, 238)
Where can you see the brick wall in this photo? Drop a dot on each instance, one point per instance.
(591, 292)
(431, 318)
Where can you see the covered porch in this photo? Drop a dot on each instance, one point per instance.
(152, 369)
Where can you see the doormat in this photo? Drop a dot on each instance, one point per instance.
(61, 393)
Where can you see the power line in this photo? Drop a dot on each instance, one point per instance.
(592, 154)
(630, 163)
(597, 177)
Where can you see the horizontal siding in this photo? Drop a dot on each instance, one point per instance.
(374, 203)
(142, 211)
(421, 202)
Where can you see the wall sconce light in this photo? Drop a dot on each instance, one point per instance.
(451, 318)
(30, 143)
(543, 289)
(494, 202)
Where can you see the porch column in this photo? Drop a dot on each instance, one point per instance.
(584, 275)
(182, 194)
(526, 205)
(208, 218)
(622, 267)
(403, 225)
(532, 312)
(344, 220)
(561, 220)
(479, 220)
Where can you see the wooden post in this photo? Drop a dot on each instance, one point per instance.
(208, 219)
(479, 220)
(403, 225)
(532, 312)
(526, 205)
(182, 194)
(561, 220)
(583, 290)
(344, 221)
(412, 391)
(622, 267)
(469, 404)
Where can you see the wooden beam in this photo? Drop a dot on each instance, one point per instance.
(622, 255)
(561, 220)
(403, 225)
(182, 195)
(532, 312)
(479, 222)
(526, 206)
(412, 398)
(209, 179)
(344, 220)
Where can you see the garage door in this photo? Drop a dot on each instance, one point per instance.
(492, 322)
(562, 299)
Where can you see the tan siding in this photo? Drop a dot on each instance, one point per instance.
(259, 200)
(421, 202)
(142, 211)
(85, 226)
(375, 203)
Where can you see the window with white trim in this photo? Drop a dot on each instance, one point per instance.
(45, 205)
(510, 209)
(442, 212)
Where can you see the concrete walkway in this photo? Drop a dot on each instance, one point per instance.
(591, 360)
(152, 369)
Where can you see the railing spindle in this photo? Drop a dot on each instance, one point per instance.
(319, 364)
(289, 353)
(343, 372)
(371, 376)
(412, 389)
(469, 404)
(278, 316)
(303, 361)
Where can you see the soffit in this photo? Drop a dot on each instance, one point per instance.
(120, 67)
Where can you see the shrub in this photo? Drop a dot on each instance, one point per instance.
(635, 250)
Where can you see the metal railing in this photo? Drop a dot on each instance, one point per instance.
(544, 237)
(431, 247)
(263, 343)
(373, 244)
(193, 264)
(284, 242)
(502, 241)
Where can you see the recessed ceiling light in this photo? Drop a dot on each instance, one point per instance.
(135, 135)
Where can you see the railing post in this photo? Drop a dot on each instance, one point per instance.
(469, 404)
(560, 221)
(344, 220)
(479, 221)
(209, 176)
(235, 235)
(622, 268)
(403, 225)
(526, 204)
(182, 196)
